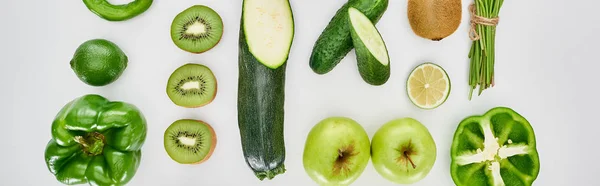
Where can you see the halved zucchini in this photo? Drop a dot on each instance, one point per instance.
(266, 33)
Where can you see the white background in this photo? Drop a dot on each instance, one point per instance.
(546, 70)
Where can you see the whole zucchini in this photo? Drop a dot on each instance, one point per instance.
(335, 41)
(261, 88)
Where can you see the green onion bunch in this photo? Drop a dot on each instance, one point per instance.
(484, 18)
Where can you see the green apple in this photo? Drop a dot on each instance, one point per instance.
(403, 151)
(337, 151)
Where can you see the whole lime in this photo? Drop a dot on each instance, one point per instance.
(98, 62)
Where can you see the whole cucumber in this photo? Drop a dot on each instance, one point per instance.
(335, 41)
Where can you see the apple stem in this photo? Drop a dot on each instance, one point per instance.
(409, 160)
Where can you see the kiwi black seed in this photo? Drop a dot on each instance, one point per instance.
(192, 85)
(197, 29)
(190, 141)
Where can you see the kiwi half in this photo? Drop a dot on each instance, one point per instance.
(190, 141)
(192, 85)
(197, 29)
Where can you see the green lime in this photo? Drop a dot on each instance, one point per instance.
(428, 86)
(98, 62)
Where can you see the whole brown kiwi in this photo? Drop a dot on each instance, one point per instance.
(434, 19)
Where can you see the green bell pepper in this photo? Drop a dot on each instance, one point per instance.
(96, 141)
(496, 149)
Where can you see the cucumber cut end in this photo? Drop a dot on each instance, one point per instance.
(269, 29)
(369, 35)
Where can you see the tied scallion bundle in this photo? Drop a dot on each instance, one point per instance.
(484, 18)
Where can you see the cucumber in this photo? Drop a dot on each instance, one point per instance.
(335, 40)
(371, 52)
(264, 45)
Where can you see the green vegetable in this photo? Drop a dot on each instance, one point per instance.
(335, 41)
(98, 62)
(371, 52)
(96, 141)
(497, 148)
(261, 88)
(111, 12)
(482, 52)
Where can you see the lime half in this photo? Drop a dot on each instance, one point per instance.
(428, 86)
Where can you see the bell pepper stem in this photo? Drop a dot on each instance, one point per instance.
(92, 144)
(81, 141)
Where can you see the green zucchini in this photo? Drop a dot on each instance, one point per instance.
(264, 44)
(335, 40)
(371, 52)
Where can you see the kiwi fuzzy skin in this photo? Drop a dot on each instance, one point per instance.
(434, 19)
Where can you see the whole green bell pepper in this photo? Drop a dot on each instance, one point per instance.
(496, 149)
(96, 141)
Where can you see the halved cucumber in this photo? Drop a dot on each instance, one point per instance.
(269, 29)
(371, 52)
(336, 41)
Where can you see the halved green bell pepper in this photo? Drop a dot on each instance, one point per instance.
(96, 141)
(112, 12)
(495, 149)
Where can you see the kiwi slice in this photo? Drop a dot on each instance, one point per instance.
(190, 141)
(197, 29)
(192, 85)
